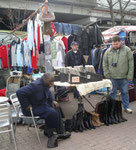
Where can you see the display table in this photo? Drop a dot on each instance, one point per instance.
(3, 99)
(87, 88)
(82, 119)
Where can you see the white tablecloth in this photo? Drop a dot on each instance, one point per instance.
(86, 88)
(66, 84)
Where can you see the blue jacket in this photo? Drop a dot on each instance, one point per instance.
(34, 94)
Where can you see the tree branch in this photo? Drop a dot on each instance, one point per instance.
(126, 5)
(114, 3)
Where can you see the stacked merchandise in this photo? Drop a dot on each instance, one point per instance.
(110, 111)
(77, 75)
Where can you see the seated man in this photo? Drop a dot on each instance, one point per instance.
(38, 96)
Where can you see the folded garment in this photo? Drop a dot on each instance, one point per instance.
(86, 88)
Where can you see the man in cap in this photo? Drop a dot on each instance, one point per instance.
(74, 57)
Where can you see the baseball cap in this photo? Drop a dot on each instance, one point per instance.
(74, 43)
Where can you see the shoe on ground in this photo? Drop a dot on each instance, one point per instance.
(52, 142)
(64, 135)
(128, 110)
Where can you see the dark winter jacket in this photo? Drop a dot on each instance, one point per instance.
(34, 94)
(71, 61)
(134, 64)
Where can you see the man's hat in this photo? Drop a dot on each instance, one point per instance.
(74, 43)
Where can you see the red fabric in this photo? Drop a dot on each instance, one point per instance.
(24, 39)
(38, 37)
(53, 29)
(3, 92)
(34, 58)
(3, 56)
(65, 41)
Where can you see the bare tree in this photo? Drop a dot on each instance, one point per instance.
(122, 9)
(111, 6)
(14, 18)
(123, 5)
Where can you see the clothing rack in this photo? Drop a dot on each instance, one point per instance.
(25, 21)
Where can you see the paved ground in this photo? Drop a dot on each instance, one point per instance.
(114, 137)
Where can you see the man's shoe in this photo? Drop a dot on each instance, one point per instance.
(52, 142)
(128, 110)
(64, 135)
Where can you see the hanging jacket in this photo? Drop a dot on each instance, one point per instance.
(94, 58)
(95, 35)
(85, 42)
(100, 68)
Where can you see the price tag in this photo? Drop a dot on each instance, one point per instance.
(88, 76)
(75, 79)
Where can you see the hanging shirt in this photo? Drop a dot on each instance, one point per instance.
(38, 37)
(27, 55)
(3, 56)
(65, 41)
(60, 54)
(53, 29)
(53, 50)
(37, 32)
(19, 55)
(54, 53)
(30, 36)
(13, 54)
(34, 59)
(60, 59)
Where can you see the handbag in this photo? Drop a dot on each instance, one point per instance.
(46, 15)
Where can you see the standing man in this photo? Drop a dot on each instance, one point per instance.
(74, 58)
(134, 79)
(118, 66)
(38, 96)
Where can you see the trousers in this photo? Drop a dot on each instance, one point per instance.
(48, 113)
(123, 84)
